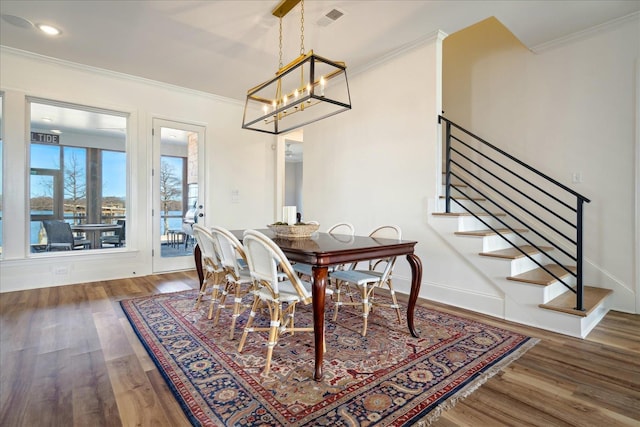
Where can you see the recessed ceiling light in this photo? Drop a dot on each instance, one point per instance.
(17, 21)
(49, 30)
(56, 131)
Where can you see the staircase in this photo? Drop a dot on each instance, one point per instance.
(520, 237)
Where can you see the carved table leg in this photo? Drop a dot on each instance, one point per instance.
(416, 279)
(320, 275)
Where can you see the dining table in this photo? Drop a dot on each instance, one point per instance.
(323, 250)
(94, 232)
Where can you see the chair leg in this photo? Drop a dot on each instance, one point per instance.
(395, 302)
(366, 306)
(336, 304)
(247, 327)
(209, 278)
(214, 297)
(273, 337)
(338, 295)
(237, 305)
(203, 290)
(222, 302)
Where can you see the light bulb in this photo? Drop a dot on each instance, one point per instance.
(49, 30)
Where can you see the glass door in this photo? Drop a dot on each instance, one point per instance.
(178, 195)
(45, 203)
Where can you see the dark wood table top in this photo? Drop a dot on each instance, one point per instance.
(324, 249)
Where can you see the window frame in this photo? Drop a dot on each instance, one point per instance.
(93, 153)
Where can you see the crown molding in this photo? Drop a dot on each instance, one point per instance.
(116, 74)
(584, 33)
(436, 35)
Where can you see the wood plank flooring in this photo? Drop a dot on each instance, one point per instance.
(68, 357)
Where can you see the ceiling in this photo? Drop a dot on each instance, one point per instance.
(226, 47)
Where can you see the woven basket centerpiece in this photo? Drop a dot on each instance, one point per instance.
(297, 231)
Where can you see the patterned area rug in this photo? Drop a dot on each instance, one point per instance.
(387, 378)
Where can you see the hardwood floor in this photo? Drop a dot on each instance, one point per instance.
(68, 357)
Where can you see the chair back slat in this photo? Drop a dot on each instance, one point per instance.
(385, 232)
(264, 257)
(230, 250)
(342, 228)
(207, 244)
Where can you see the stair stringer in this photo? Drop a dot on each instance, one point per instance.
(521, 300)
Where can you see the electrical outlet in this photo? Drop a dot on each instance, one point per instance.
(576, 177)
(61, 271)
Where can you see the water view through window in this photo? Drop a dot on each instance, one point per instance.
(78, 176)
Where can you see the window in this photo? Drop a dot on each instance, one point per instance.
(78, 173)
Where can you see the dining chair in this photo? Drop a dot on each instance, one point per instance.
(214, 273)
(377, 275)
(343, 228)
(117, 239)
(238, 279)
(280, 297)
(60, 236)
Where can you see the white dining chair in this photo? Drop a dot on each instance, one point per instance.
(238, 280)
(213, 272)
(280, 297)
(377, 275)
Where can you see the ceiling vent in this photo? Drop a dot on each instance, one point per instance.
(330, 17)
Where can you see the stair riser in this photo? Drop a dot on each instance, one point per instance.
(496, 243)
(454, 191)
(524, 264)
(461, 223)
(470, 223)
(513, 267)
(556, 289)
(455, 207)
(531, 314)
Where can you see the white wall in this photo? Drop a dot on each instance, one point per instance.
(570, 108)
(379, 164)
(236, 160)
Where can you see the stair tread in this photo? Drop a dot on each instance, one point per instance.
(513, 253)
(539, 276)
(566, 302)
(482, 233)
(465, 214)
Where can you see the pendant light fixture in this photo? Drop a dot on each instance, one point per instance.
(308, 89)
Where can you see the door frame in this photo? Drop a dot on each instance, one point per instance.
(280, 166)
(167, 264)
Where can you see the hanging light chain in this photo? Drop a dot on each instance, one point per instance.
(280, 66)
(302, 27)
